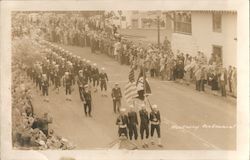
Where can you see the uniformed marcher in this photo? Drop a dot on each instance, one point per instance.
(87, 100)
(95, 76)
(103, 81)
(67, 83)
(57, 79)
(155, 120)
(122, 122)
(45, 86)
(81, 81)
(144, 125)
(116, 96)
(132, 123)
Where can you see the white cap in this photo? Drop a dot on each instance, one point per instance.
(131, 106)
(154, 106)
(123, 109)
(103, 68)
(94, 64)
(42, 143)
(66, 73)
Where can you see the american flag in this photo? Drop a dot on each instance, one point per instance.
(130, 88)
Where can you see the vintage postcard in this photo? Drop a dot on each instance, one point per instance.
(124, 80)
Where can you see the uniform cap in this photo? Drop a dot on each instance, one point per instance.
(131, 106)
(66, 73)
(85, 86)
(123, 109)
(103, 68)
(94, 64)
(154, 106)
(80, 71)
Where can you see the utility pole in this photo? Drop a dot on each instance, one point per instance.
(158, 29)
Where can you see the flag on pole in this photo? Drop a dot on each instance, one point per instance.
(130, 88)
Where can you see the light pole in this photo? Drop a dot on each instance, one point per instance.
(158, 29)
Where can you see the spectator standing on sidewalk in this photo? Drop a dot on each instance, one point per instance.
(223, 81)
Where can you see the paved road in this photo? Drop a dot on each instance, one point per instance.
(188, 116)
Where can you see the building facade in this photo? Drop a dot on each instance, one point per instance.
(205, 31)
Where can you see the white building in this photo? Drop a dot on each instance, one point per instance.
(140, 19)
(206, 31)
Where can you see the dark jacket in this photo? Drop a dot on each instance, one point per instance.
(132, 118)
(103, 77)
(155, 117)
(123, 119)
(116, 93)
(86, 96)
(144, 117)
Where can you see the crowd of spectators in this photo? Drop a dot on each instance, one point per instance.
(159, 60)
(30, 130)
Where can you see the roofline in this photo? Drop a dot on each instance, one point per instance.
(205, 11)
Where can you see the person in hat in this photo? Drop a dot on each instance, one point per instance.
(95, 76)
(122, 122)
(45, 87)
(144, 125)
(67, 82)
(57, 78)
(45, 120)
(116, 96)
(81, 81)
(132, 123)
(103, 81)
(223, 81)
(155, 120)
(87, 100)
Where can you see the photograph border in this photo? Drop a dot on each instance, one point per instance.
(240, 6)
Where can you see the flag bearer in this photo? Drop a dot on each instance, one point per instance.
(144, 125)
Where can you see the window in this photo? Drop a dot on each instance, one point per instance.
(217, 53)
(216, 22)
(134, 23)
(182, 22)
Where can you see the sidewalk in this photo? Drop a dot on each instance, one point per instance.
(208, 90)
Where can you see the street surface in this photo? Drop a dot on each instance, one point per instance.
(188, 117)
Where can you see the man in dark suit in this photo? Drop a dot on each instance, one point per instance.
(144, 124)
(116, 96)
(122, 122)
(223, 81)
(87, 100)
(132, 123)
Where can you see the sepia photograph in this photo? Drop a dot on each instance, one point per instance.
(131, 80)
(124, 80)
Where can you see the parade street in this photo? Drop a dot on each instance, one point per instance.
(191, 120)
